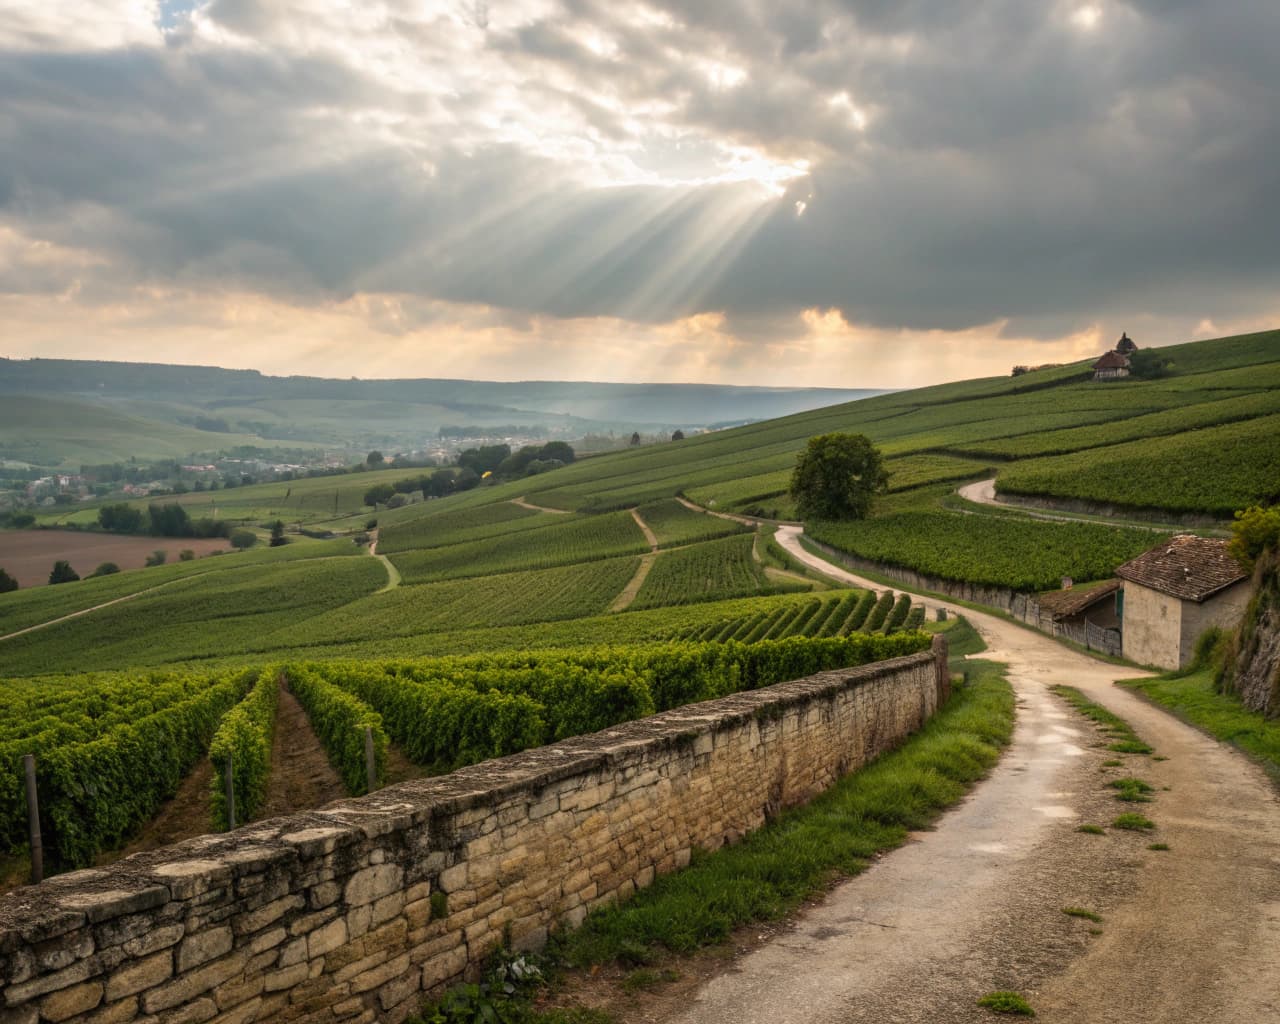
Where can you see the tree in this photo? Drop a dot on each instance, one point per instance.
(7, 582)
(277, 534)
(558, 451)
(157, 557)
(242, 540)
(379, 494)
(374, 459)
(836, 477)
(120, 518)
(105, 569)
(186, 555)
(63, 573)
(635, 438)
(1254, 530)
(677, 435)
(1149, 364)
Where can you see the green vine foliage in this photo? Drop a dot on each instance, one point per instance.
(340, 720)
(95, 794)
(245, 735)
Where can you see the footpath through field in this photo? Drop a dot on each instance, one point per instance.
(1188, 935)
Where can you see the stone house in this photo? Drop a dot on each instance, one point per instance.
(1112, 366)
(1173, 593)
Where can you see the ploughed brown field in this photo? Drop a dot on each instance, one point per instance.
(28, 555)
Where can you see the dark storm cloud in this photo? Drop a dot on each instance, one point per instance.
(1013, 162)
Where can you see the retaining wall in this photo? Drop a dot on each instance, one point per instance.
(354, 912)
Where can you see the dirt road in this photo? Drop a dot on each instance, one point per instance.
(1188, 935)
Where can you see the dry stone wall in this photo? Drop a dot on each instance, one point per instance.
(355, 912)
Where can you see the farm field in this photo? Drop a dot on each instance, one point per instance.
(28, 555)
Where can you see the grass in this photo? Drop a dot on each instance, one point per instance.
(1124, 739)
(1161, 847)
(1091, 830)
(1192, 698)
(1133, 822)
(1132, 790)
(1088, 915)
(798, 855)
(1007, 1002)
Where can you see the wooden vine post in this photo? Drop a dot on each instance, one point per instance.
(370, 761)
(231, 794)
(33, 818)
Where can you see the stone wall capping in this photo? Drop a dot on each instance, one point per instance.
(351, 912)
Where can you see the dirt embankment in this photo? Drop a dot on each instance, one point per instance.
(28, 555)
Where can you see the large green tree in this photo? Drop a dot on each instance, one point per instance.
(7, 582)
(63, 573)
(836, 476)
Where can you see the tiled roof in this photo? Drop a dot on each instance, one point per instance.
(1187, 567)
(1111, 361)
(1063, 603)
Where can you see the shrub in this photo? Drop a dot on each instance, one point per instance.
(157, 557)
(105, 569)
(63, 573)
(242, 540)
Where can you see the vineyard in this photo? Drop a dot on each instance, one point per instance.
(999, 551)
(561, 543)
(674, 523)
(110, 749)
(710, 571)
(426, 530)
(196, 618)
(1212, 471)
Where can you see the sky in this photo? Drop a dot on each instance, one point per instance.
(852, 193)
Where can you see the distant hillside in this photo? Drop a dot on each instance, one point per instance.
(393, 413)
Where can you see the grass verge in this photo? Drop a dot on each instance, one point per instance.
(797, 856)
(1192, 698)
(1123, 739)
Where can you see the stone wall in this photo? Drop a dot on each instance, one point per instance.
(355, 912)
(1024, 607)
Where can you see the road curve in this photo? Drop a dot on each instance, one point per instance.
(1190, 935)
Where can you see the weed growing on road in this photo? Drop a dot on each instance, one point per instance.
(1161, 847)
(645, 978)
(1113, 763)
(1133, 822)
(1115, 728)
(1007, 1002)
(1088, 915)
(1091, 830)
(1134, 791)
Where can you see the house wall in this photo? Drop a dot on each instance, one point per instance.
(1152, 633)
(354, 912)
(1224, 609)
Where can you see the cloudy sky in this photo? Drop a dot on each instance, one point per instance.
(842, 192)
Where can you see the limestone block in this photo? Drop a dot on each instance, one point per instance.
(204, 946)
(386, 908)
(372, 883)
(381, 974)
(81, 970)
(68, 1002)
(114, 1013)
(194, 983)
(331, 936)
(239, 990)
(192, 1013)
(267, 940)
(255, 920)
(285, 977)
(294, 953)
(157, 938)
(140, 975)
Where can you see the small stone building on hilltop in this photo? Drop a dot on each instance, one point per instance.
(1112, 366)
(1126, 345)
(1173, 593)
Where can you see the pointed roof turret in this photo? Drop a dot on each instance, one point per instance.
(1125, 345)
